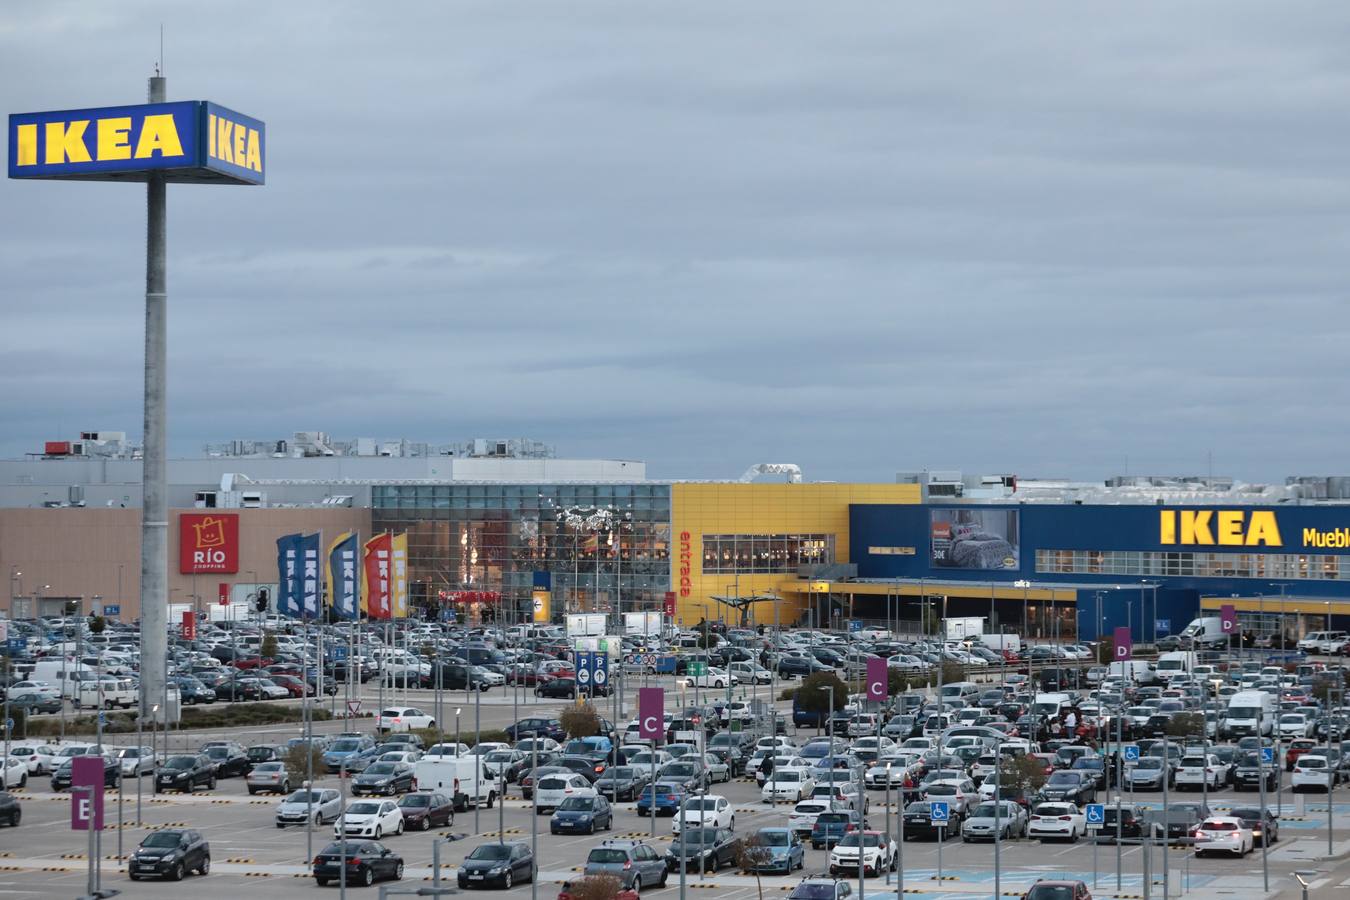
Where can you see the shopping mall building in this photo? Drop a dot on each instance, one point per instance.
(490, 523)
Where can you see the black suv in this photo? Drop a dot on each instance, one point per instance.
(170, 853)
(229, 759)
(184, 772)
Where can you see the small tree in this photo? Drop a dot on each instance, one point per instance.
(269, 645)
(1186, 724)
(706, 639)
(896, 682)
(952, 671)
(97, 624)
(752, 856)
(298, 760)
(593, 887)
(580, 720)
(814, 694)
(1106, 650)
(1023, 774)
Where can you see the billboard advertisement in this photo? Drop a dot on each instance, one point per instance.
(208, 542)
(188, 141)
(973, 538)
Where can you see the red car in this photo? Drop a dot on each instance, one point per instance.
(250, 662)
(289, 682)
(1297, 747)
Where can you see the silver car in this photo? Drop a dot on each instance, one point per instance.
(272, 777)
(316, 805)
(979, 825)
(136, 761)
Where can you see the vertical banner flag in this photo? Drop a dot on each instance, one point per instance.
(652, 714)
(542, 596)
(1124, 642)
(86, 796)
(670, 604)
(375, 577)
(342, 576)
(876, 678)
(1228, 618)
(398, 554)
(223, 591)
(309, 577)
(189, 625)
(288, 575)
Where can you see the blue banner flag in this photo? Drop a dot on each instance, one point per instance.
(309, 576)
(344, 578)
(288, 575)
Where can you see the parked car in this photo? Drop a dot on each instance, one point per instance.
(403, 718)
(10, 811)
(170, 853)
(1057, 821)
(874, 851)
(370, 818)
(365, 862)
(112, 773)
(1057, 890)
(706, 811)
(702, 850)
(386, 778)
(184, 772)
(313, 805)
(980, 824)
(424, 810)
(665, 797)
(1224, 834)
(919, 822)
(623, 782)
(633, 863)
(586, 815)
(1260, 822)
(229, 759)
(503, 863)
(272, 777)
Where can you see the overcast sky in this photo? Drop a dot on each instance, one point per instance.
(1042, 238)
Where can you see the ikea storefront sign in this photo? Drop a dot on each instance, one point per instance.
(187, 141)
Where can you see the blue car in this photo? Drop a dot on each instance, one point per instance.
(584, 815)
(669, 798)
(784, 851)
(343, 751)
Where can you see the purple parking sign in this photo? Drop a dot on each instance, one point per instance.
(1123, 642)
(652, 714)
(876, 678)
(1228, 618)
(86, 794)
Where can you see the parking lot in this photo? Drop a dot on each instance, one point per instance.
(44, 858)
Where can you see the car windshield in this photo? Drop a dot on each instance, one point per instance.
(491, 851)
(773, 838)
(701, 803)
(384, 768)
(1063, 777)
(179, 762)
(344, 746)
(869, 840)
(787, 776)
(1050, 892)
(585, 803)
(1149, 762)
(835, 818)
(1312, 762)
(363, 809)
(605, 855)
(500, 756)
(813, 892)
(1219, 826)
(618, 774)
(304, 797)
(698, 836)
(269, 767)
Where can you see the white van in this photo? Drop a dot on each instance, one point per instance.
(965, 691)
(1180, 662)
(463, 777)
(1133, 671)
(1052, 704)
(1206, 631)
(1250, 712)
(106, 691)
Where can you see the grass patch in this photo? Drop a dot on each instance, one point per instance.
(236, 715)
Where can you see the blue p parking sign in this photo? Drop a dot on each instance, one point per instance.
(939, 812)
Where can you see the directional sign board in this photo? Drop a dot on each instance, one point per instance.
(16, 645)
(340, 653)
(1096, 815)
(112, 610)
(583, 669)
(1132, 753)
(939, 812)
(600, 669)
(1267, 755)
(698, 669)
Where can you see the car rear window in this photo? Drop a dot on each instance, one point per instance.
(604, 855)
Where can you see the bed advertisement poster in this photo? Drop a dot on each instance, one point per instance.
(973, 538)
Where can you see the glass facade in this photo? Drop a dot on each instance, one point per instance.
(594, 539)
(1314, 567)
(744, 554)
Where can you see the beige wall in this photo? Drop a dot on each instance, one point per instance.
(79, 551)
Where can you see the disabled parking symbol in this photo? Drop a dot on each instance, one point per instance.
(1096, 814)
(939, 812)
(1267, 755)
(1132, 754)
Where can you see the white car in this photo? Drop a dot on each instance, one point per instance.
(270, 689)
(1223, 834)
(1057, 821)
(882, 745)
(543, 745)
(552, 790)
(38, 757)
(35, 689)
(370, 819)
(15, 772)
(438, 751)
(709, 811)
(781, 744)
(1294, 725)
(1198, 772)
(879, 853)
(751, 673)
(781, 763)
(136, 761)
(402, 718)
(409, 757)
(791, 785)
(712, 677)
(803, 816)
(1313, 773)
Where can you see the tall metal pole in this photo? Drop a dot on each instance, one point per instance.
(998, 808)
(534, 812)
(478, 739)
(154, 503)
(1261, 766)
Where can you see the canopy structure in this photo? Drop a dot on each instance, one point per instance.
(743, 604)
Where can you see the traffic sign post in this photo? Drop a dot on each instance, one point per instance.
(1267, 757)
(599, 669)
(1095, 813)
(583, 671)
(112, 609)
(939, 813)
(353, 707)
(1132, 753)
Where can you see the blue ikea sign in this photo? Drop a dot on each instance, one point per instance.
(188, 141)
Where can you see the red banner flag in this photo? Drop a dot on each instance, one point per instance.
(375, 577)
(189, 625)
